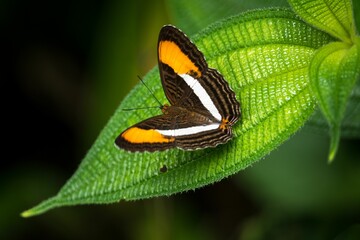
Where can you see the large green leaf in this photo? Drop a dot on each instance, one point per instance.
(265, 56)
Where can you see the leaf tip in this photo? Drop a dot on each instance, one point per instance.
(40, 208)
(27, 213)
(332, 155)
(334, 142)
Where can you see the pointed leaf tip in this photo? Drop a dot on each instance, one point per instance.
(29, 213)
(334, 142)
(25, 214)
(40, 208)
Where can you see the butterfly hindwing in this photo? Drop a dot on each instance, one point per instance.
(177, 128)
(144, 136)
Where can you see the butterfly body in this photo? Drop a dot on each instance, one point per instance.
(202, 107)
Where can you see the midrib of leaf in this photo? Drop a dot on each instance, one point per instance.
(268, 72)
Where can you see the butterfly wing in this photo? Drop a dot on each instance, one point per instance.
(187, 80)
(145, 136)
(178, 128)
(177, 55)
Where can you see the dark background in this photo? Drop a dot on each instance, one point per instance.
(66, 65)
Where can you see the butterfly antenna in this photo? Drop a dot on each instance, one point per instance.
(150, 91)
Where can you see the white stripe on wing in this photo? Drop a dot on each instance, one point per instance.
(202, 95)
(188, 130)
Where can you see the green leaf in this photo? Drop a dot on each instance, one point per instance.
(332, 16)
(265, 58)
(350, 125)
(333, 73)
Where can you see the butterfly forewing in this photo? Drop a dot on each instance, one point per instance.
(177, 55)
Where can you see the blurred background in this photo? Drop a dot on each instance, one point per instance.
(66, 65)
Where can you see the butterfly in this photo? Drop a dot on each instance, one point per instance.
(202, 109)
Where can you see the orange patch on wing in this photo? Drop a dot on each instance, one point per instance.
(138, 135)
(171, 54)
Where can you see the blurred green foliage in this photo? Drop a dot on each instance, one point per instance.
(69, 64)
